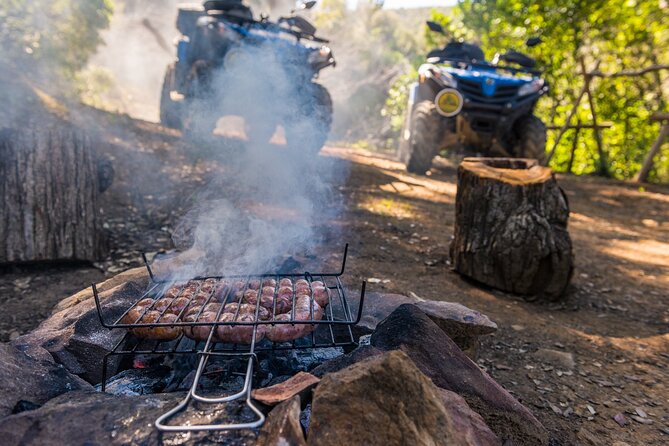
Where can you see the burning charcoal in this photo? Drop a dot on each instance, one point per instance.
(286, 282)
(268, 291)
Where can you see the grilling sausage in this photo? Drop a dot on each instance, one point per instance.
(288, 332)
(239, 334)
(157, 333)
(321, 296)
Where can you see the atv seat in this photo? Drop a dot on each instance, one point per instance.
(234, 7)
(467, 52)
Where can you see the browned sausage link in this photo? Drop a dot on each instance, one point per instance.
(157, 333)
(284, 332)
(240, 334)
(321, 296)
(201, 332)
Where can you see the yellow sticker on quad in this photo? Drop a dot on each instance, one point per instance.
(448, 102)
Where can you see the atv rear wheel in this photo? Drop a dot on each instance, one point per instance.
(422, 145)
(170, 111)
(310, 130)
(531, 134)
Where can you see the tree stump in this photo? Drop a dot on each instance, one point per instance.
(511, 227)
(49, 186)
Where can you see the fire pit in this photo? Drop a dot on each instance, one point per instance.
(229, 316)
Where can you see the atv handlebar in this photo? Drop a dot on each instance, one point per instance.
(513, 70)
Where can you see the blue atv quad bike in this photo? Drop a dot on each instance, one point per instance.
(229, 63)
(465, 104)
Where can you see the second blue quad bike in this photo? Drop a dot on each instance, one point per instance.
(465, 104)
(230, 63)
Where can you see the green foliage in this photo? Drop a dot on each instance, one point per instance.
(398, 96)
(620, 35)
(57, 35)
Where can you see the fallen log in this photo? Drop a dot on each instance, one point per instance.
(511, 227)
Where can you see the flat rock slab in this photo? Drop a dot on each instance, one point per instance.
(282, 427)
(299, 384)
(343, 361)
(26, 381)
(437, 356)
(75, 338)
(385, 400)
(564, 360)
(460, 323)
(139, 276)
(92, 418)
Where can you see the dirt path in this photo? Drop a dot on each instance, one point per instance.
(615, 320)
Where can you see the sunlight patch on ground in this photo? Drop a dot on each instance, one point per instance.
(637, 346)
(650, 252)
(585, 223)
(387, 207)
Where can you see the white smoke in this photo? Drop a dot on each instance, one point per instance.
(281, 193)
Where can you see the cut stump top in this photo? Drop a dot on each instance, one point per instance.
(514, 171)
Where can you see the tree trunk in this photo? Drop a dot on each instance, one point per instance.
(511, 227)
(49, 187)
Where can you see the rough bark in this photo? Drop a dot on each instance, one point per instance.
(49, 187)
(511, 227)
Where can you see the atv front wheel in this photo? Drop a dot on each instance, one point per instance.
(531, 134)
(310, 130)
(170, 111)
(422, 144)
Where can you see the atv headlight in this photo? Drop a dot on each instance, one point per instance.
(322, 55)
(449, 102)
(531, 87)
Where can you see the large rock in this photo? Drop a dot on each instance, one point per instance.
(139, 276)
(74, 336)
(282, 427)
(385, 400)
(460, 323)
(466, 420)
(27, 381)
(92, 418)
(436, 355)
(343, 361)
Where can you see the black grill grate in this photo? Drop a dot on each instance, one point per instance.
(333, 330)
